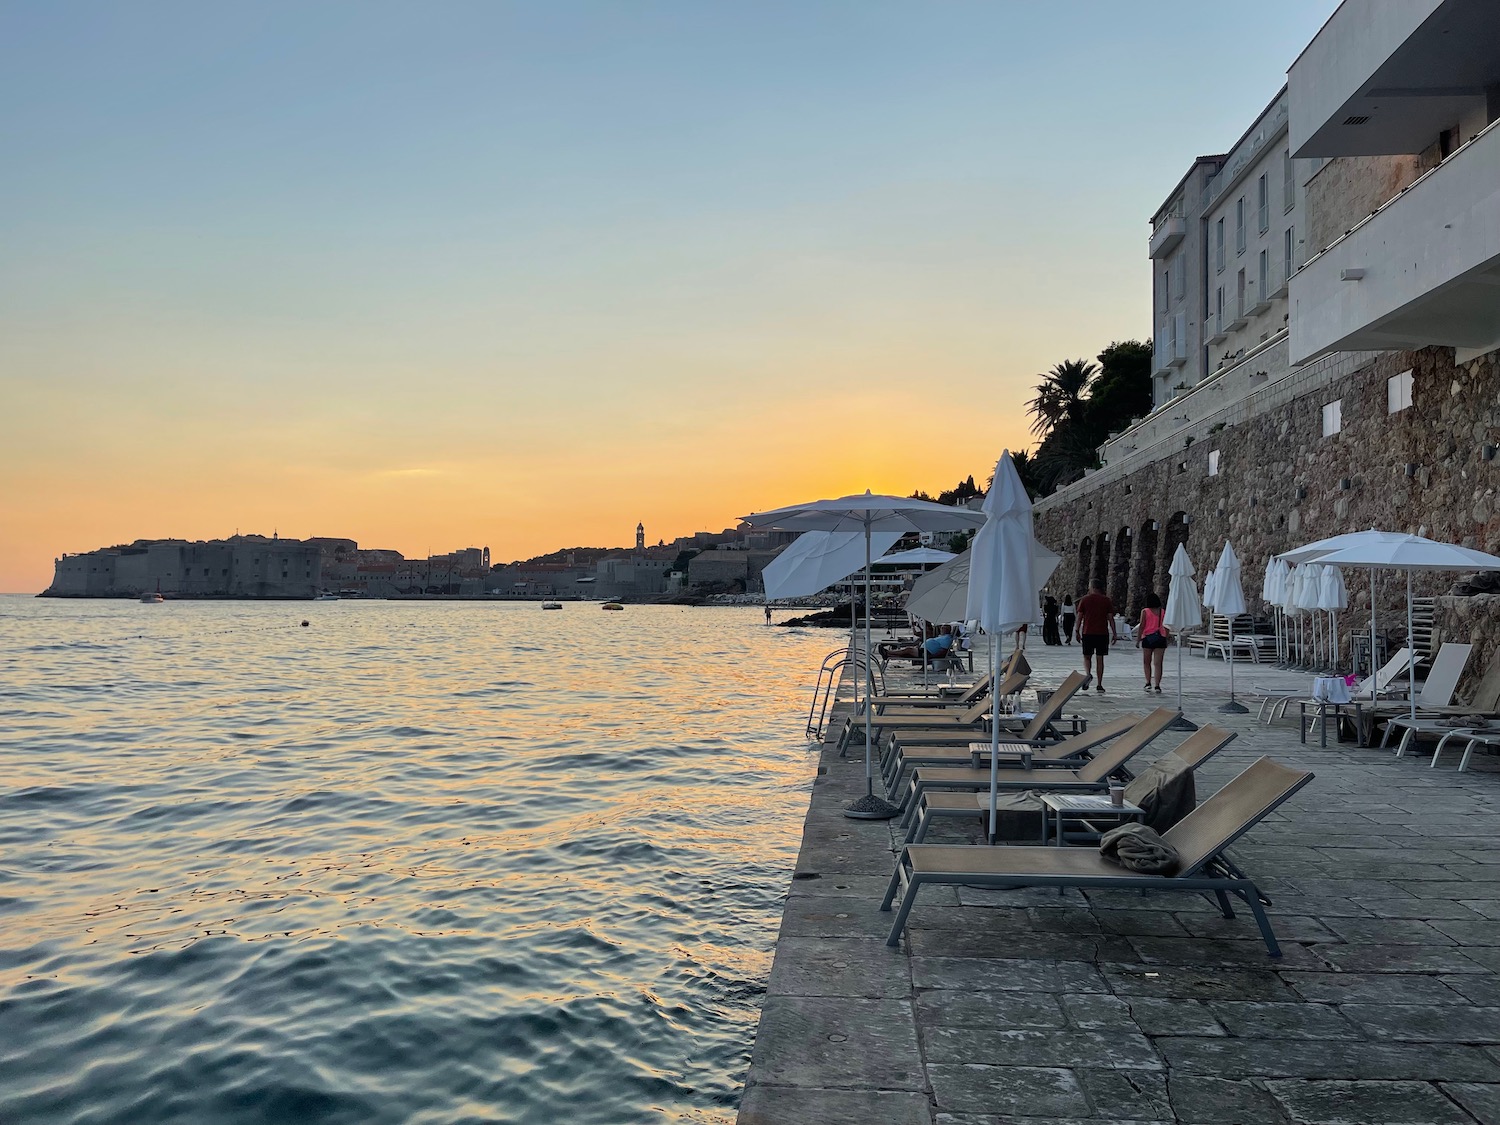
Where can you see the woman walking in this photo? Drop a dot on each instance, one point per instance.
(1069, 618)
(1152, 642)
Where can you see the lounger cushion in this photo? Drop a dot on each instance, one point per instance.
(966, 859)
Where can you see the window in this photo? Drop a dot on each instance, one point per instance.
(1239, 294)
(1219, 245)
(1398, 393)
(1166, 287)
(1264, 280)
(1289, 241)
(1181, 275)
(1239, 225)
(1288, 181)
(1263, 204)
(1219, 309)
(1333, 417)
(1213, 462)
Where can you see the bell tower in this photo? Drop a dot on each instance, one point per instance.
(640, 537)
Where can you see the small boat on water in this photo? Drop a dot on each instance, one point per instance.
(612, 605)
(153, 598)
(326, 598)
(552, 605)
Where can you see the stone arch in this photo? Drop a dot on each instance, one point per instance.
(1100, 575)
(1142, 579)
(1085, 559)
(1174, 533)
(1119, 569)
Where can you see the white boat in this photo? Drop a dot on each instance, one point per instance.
(552, 605)
(153, 598)
(326, 598)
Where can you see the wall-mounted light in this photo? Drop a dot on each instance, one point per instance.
(1301, 492)
(1411, 468)
(1186, 519)
(1154, 525)
(1487, 451)
(1345, 484)
(1355, 274)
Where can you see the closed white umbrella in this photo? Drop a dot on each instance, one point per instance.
(867, 514)
(1332, 597)
(943, 594)
(1229, 600)
(1411, 553)
(1208, 589)
(1183, 613)
(1002, 587)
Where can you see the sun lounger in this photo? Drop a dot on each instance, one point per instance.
(1200, 839)
(935, 697)
(976, 753)
(1091, 776)
(1434, 697)
(1041, 727)
(952, 719)
(1196, 749)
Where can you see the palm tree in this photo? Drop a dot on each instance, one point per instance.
(1059, 396)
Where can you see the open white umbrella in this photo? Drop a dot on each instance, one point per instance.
(1183, 613)
(817, 560)
(943, 594)
(1229, 600)
(1347, 541)
(917, 556)
(1411, 553)
(1002, 587)
(867, 514)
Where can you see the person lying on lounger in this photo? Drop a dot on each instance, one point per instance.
(937, 646)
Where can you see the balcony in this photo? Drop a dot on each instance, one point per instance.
(1422, 270)
(1218, 327)
(1385, 79)
(1280, 276)
(1239, 316)
(1167, 233)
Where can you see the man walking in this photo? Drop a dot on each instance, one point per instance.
(1096, 627)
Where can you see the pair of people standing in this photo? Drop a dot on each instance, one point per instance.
(1097, 627)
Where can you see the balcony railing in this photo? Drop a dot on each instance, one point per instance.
(1270, 126)
(1167, 233)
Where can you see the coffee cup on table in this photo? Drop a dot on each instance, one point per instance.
(1117, 794)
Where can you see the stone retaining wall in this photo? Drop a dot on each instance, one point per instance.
(1281, 482)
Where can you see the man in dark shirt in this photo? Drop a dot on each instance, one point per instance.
(1096, 627)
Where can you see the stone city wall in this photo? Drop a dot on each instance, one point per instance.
(1280, 483)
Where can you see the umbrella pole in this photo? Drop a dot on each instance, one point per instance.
(994, 743)
(1182, 722)
(1233, 707)
(1411, 647)
(870, 807)
(1372, 633)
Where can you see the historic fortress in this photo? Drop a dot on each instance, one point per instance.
(1326, 301)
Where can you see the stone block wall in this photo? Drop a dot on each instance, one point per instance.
(1280, 483)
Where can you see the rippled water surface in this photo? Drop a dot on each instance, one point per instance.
(424, 862)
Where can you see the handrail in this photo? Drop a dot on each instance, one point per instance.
(829, 675)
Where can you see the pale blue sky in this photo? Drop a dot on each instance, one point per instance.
(274, 257)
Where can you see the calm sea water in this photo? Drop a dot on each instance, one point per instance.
(413, 863)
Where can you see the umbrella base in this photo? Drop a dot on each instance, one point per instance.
(1182, 722)
(1234, 708)
(871, 807)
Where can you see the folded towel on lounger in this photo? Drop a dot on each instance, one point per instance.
(1136, 847)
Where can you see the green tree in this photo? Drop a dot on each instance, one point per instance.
(1060, 395)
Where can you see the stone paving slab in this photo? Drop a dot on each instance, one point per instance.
(1031, 1007)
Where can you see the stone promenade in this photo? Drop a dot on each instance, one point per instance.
(1029, 1008)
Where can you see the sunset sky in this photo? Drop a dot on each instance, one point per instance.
(521, 274)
